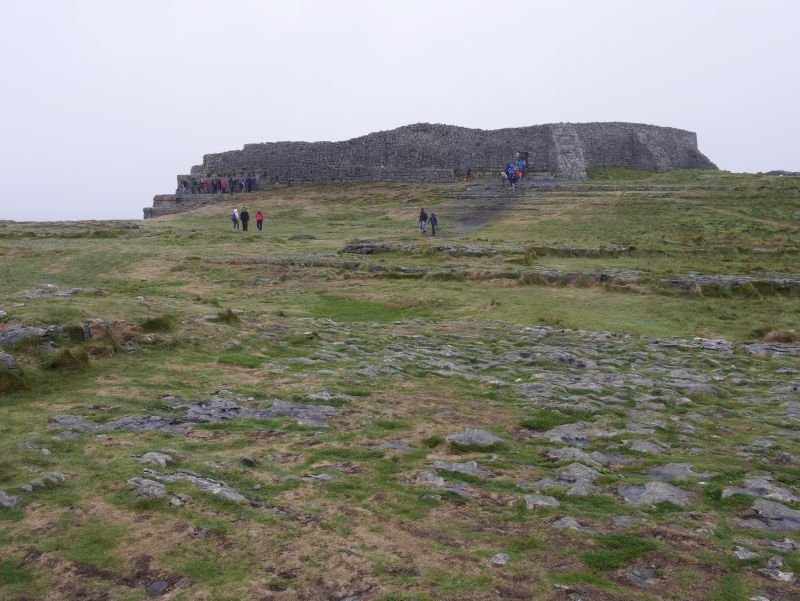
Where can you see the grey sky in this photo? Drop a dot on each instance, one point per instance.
(103, 103)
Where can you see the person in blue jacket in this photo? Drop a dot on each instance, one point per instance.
(434, 222)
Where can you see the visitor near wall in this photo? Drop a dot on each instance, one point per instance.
(434, 222)
(423, 219)
(522, 165)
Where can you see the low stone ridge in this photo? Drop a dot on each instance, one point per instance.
(214, 487)
(7, 501)
(51, 290)
(16, 333)
(771, 517)
(436, 152)
(775, 282)
(214, 411)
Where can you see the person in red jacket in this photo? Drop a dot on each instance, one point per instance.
(259, 220)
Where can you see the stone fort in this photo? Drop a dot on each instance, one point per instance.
(436, 152)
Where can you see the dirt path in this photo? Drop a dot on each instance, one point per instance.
(484, 203)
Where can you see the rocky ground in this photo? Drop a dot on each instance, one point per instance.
(318, 415)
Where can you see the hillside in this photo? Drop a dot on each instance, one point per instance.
(579, 391)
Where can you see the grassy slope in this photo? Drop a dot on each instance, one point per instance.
(373, 530)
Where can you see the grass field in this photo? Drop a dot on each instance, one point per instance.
(592, 328)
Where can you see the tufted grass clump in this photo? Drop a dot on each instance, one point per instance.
(618, 549)
(160, 323)
(227, 316)
(11, 382)
(68, 360)
(550, 418)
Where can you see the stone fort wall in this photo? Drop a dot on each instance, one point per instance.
(435, 152)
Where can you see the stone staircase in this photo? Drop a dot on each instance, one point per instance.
(478, 204)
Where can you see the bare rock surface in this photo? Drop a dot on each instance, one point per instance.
(214, 487)
(469, 467)
(475, 438)
(537, 501)
(762, 487)
(677, 471)
(653, 493)
(771, 517)
(155, 458)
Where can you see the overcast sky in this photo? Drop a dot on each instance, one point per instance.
(103, 103)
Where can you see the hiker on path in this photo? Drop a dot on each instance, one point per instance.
(235, 219)
(259, 220)
(522, 167)
(423, 219)
(468, 173)
(245, 217)
(510, 175)
(433, 221)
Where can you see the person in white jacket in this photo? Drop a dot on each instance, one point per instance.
(235, 219)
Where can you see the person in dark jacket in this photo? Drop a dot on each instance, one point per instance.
(244, 216)
(423, 219)
(434, 222)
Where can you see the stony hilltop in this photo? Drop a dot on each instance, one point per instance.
(436, 152)
(587, 391)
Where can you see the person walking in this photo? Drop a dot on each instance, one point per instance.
(235, 219)
(434, 222)
(259, 220)
(423, 219)
(245, 217)
(510, 175)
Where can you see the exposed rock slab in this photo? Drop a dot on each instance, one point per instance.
(537, 501)
(155, 458)
(653, 493)
(677, 472)
(469, 467)
(578, 434)
(214, 487)
(475, 438)
(762, 487)
(771, 517)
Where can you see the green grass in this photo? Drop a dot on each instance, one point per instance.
(240, 359)
(160, 323)
(93, 542)
(547, 419)
(618, 550)
(419, 359)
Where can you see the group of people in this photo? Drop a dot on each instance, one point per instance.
(425, 219)
(243, 216)
(221, 185)
(513, 173)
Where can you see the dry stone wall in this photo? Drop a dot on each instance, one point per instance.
(435, 152)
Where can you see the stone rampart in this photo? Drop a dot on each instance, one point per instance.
(436, 152)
